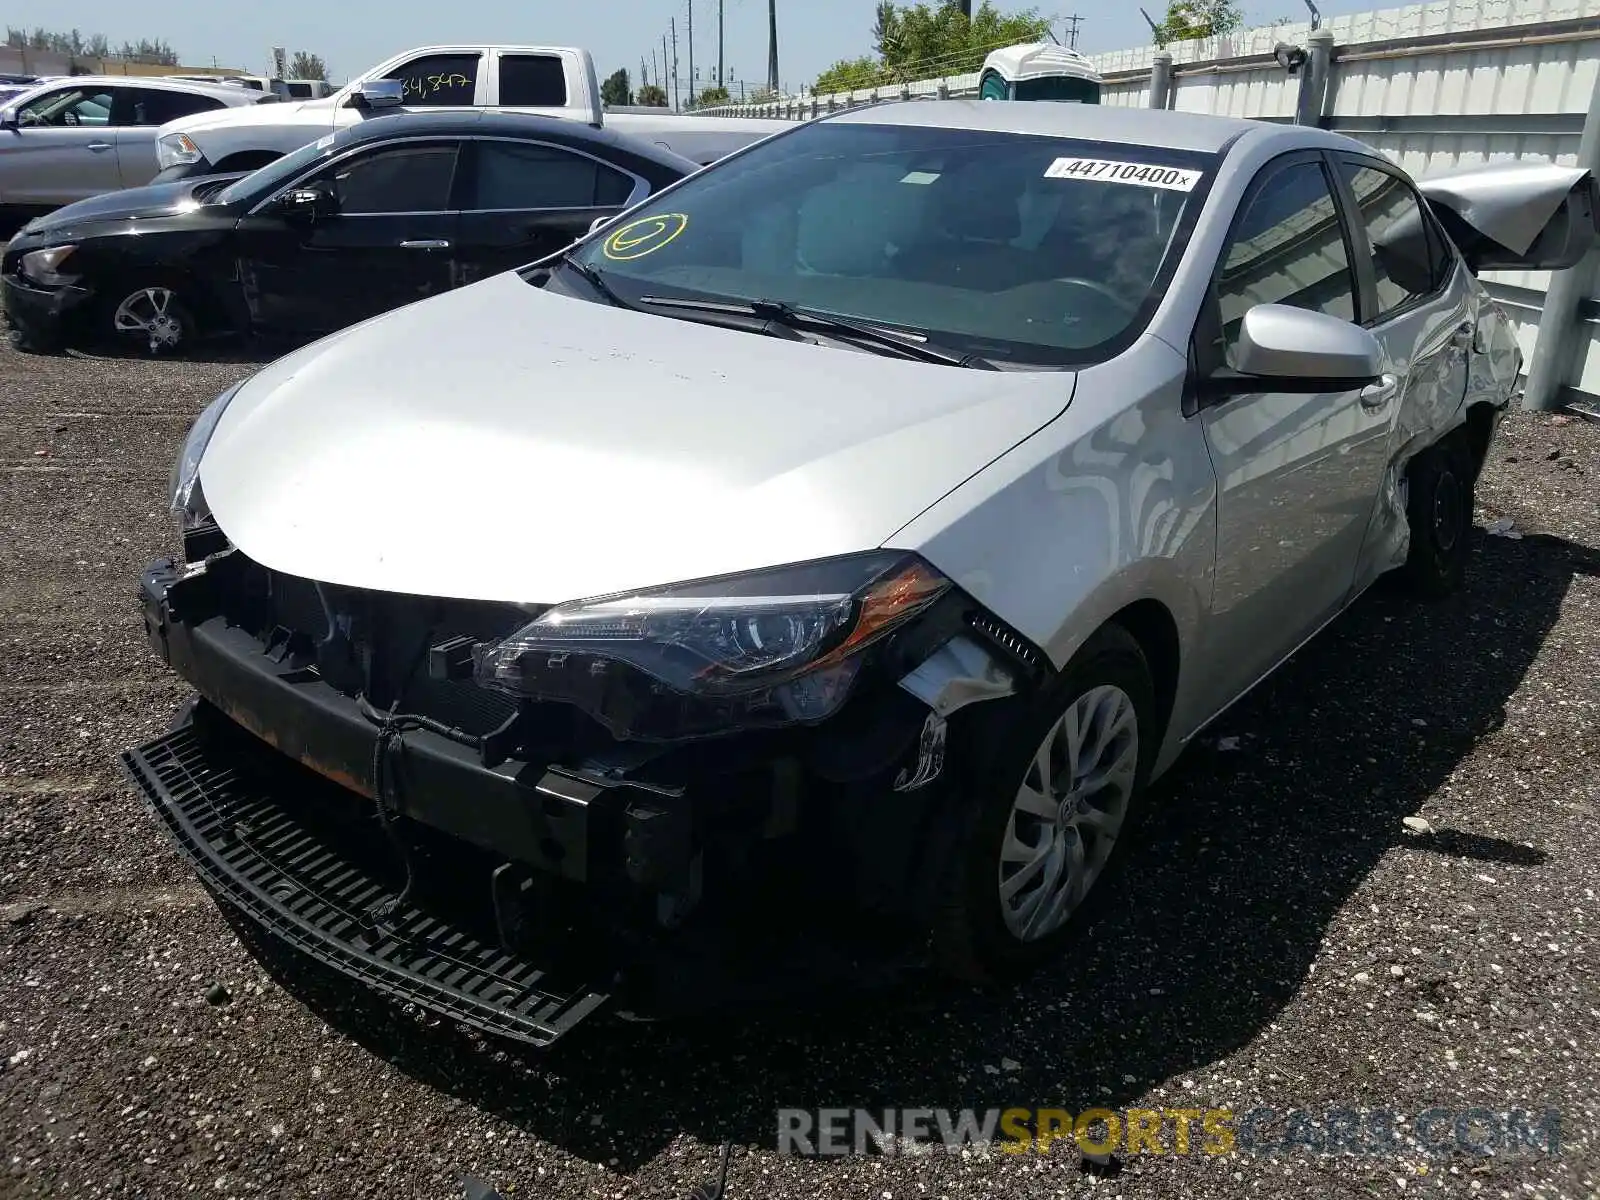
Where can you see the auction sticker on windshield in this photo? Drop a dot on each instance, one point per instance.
(1103, 170)
(644, 236)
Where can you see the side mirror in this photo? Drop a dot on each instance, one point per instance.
(9, 121)
(1285, 349)
(378, 93)
(307, 204)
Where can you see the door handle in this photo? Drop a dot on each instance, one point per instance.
(1379, 394)
(97, 147)
(426, 244)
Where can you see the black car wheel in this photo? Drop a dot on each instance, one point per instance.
(1439, 501)
(151, 316)
(1056, 800)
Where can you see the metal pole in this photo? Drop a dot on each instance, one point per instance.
(1313, 96)
(1161, 81)
(673, 25)
(692, 80)
(720, 44)
(772, 45)
(1561, 335)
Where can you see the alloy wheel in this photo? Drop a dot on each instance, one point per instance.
(1068, 812)
(150, 315)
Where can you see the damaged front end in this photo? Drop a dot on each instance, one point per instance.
(509, 815)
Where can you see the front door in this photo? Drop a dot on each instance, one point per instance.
(64, 148)
(1296, 474)
(390, 243)
(526, 200)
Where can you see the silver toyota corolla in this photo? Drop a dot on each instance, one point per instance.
(837, 545)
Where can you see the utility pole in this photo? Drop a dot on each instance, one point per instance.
(1072, 23)
(719, 43)
(661, 78)
(772, 45)
(692, 80)
(966, 9)
(674, 28)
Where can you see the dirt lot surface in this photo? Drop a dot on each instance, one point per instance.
(1281, 940)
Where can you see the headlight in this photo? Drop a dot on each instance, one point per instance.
(774, 647)
(44, 266)
(177, 150)
(188, 501)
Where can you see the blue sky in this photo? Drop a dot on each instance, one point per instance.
(352, 36)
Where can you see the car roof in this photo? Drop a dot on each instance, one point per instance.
(1090, 122)
(445, 122)
(161, 83)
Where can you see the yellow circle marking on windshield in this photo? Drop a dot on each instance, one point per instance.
(644, 236)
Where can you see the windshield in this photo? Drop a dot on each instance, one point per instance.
(274, 175)
(1030, 249)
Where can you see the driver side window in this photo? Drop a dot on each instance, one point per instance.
(438, 80)
(69, 108)
(1287, 248)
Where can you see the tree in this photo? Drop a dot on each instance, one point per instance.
(652, 96)
(715, 94)
(1188, 20)
(615, 92)
(157, 52)
(923, 41)
(305, 65)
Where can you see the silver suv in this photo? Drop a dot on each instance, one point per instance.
(68, 139)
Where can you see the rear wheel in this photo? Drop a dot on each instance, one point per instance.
(1056, 802)
(152, 316)
(1439, 502)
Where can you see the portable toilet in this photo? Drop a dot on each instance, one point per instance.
(1039, 71)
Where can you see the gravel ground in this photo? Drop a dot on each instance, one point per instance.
(1281, 938)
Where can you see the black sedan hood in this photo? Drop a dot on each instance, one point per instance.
(160, 200)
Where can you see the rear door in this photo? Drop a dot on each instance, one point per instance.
(140, 112)
(538, 81)
(524, 200)
(1417, 301)
(63, 149)
(390, 243)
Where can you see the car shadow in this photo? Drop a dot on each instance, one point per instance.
(1249, 855)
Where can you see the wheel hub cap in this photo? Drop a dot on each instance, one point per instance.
(1068, 812)
(145, 315)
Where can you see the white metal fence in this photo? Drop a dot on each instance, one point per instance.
(1436, 87)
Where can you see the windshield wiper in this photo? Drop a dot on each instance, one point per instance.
(595, 280)
(782, 313)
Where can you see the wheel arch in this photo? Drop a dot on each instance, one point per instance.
(1151, 623)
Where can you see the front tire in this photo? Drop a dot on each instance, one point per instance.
(1056, 802)
(1439, 502)
(151, 316)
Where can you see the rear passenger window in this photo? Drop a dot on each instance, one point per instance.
(1408, 255)
(1288, 248)
(152, 107)
(513, 175)
(439, 80)
(532, 81)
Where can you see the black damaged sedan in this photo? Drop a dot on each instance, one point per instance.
(363, 221)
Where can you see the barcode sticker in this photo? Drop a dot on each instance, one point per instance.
(1136, 174)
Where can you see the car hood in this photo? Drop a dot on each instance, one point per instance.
(505, 443)
(318, 112)
(159, 200)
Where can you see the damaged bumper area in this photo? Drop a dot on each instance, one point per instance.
(41, 317)
(510, 863)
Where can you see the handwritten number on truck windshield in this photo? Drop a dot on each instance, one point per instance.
(423, 87)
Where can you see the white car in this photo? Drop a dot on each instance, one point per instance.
(826, 552)
(68, 139)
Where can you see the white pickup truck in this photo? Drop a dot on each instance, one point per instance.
(555, 81)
